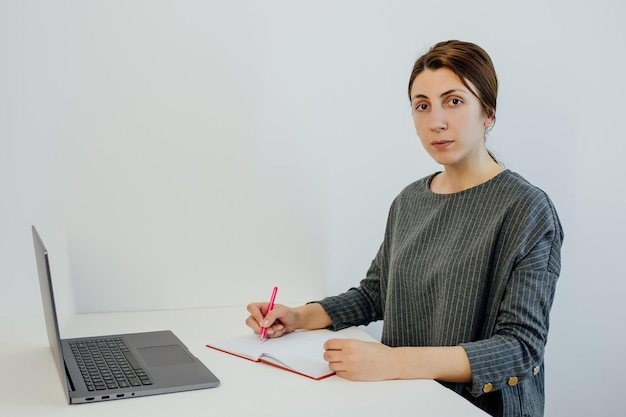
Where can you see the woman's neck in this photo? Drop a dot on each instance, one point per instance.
(457, 178)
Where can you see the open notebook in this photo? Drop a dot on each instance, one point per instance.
(300, 352)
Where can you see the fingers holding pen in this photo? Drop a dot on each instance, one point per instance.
(272, 321)
(257, 314)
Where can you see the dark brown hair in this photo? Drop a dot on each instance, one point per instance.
(470, 63)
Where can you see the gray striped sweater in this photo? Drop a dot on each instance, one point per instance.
(476, 268)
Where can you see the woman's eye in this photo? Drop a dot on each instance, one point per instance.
(455, 102)
(421, 107)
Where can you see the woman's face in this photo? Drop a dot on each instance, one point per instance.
(448, 118)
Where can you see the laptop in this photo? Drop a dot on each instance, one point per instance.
(103, 368)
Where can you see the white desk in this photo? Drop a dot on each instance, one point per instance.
(247, 388)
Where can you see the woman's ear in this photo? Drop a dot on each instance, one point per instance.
(490, 120)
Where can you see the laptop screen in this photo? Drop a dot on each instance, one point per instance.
(49, 309)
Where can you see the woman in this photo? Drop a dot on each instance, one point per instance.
(465, 277)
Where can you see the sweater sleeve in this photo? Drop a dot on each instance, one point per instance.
(357, 306)
(363, 304)
(515, 350)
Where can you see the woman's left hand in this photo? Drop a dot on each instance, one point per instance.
(358, 360)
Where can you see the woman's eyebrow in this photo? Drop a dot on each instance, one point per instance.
(445, 93)
(452, 91)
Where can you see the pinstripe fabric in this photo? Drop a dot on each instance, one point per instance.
(476, 268)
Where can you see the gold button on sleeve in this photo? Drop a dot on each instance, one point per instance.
(487, 387)
(512, 381)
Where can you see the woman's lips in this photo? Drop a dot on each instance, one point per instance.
(441, 144)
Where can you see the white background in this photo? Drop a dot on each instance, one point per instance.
(195, 153)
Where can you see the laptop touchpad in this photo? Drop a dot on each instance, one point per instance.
(164, 355)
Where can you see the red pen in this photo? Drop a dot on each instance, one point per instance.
(270, 306)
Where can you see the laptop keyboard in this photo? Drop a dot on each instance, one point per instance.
(108, 364)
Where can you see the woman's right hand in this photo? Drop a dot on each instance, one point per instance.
(280, 320)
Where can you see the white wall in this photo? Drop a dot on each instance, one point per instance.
(196, 153)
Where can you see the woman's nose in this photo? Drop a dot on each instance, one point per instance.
(437, 119)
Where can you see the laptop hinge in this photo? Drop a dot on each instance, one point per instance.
(69, 378)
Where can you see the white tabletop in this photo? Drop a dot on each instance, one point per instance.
(30, 384)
